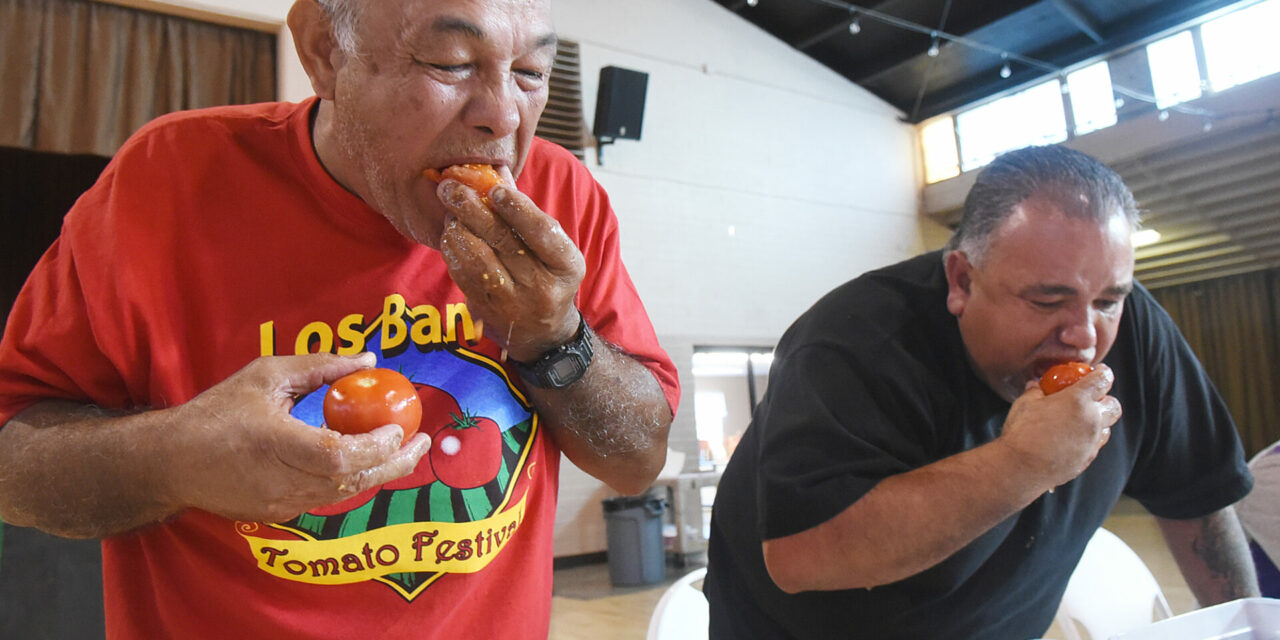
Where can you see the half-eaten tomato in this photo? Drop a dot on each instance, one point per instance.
(481, 177)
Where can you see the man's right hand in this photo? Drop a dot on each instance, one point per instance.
(238, 453)
(1056, 437)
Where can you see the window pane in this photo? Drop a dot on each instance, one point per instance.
(1175, 76)
(1031, 117)
(1092, 101)
(941, 159)
(1239, 47)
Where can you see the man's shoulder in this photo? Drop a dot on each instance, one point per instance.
(193, 126)
(550, 162)
(902, 302)
(906, 287)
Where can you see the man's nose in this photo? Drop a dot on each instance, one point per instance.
(493, 108)
(1078, 330)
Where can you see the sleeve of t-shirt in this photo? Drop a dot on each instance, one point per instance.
(50, 347)
(835, 423)
(1191, 462)
(1260, 510)
(607, 297)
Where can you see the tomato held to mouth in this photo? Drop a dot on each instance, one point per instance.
(1061, 376)
(370, 398)
(481, 177)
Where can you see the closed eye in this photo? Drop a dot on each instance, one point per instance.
(1108, 305)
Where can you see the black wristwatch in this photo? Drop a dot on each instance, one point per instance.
(563, 365)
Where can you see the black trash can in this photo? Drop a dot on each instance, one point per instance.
(634, 528)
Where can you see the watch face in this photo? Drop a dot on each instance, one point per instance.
(565, 369)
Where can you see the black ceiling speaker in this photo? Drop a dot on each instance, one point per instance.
(619, 106)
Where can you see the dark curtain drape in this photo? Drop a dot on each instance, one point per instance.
(78, 78)
(36, 189)
(1233, 325)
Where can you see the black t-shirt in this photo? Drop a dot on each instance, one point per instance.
(873, 381)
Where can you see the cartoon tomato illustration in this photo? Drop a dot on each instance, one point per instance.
(438, 410)
(467, 452)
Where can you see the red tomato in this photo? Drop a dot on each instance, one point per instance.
(370, 398)
(467, 453)
(1061, 376)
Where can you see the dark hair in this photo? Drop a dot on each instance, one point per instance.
(1081, 184)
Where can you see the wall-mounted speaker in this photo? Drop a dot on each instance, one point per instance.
(620, 104)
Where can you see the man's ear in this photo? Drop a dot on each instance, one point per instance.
(959, 280)
(313, 38)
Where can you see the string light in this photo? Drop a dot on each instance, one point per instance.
(1164, 115)
(1005, 71)
(855, 27)
(933, 46)
(752, 3)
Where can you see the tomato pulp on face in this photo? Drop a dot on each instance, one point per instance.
(368, 399)
(1061, 376)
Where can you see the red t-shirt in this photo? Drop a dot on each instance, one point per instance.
(214, 237)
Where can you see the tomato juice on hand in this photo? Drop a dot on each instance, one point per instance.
(1061, 376)
(370, 398)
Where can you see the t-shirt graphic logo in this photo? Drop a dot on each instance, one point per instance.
(457, 510)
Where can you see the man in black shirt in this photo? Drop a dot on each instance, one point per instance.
(904, 476)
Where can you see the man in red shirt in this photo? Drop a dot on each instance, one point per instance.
(162, 372)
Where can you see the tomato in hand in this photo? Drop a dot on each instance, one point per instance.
(370, 398)
(1061, 376)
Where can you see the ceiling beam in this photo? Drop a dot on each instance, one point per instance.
(1082, 20)
(1171, 281)
(837, 28)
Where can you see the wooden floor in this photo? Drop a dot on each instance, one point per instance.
(585, 606)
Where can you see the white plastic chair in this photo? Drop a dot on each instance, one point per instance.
(681, 614)
(1110, 592)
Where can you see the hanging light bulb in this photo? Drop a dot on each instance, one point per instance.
(933, 46)
(855, 27)
(1208, 125)
(752, 3)
(1005, 71)
(1164, 115)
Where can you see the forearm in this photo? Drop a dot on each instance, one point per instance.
(1213, 555)
(612, 423)
(906, 524)
(79, 472)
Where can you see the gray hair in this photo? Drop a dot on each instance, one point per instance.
(343, 14)
(1084, 186)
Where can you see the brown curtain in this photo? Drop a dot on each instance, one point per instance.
(80, 76)
(1233, 325)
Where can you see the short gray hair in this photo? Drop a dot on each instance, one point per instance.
(1066, 175)
(343, 14)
